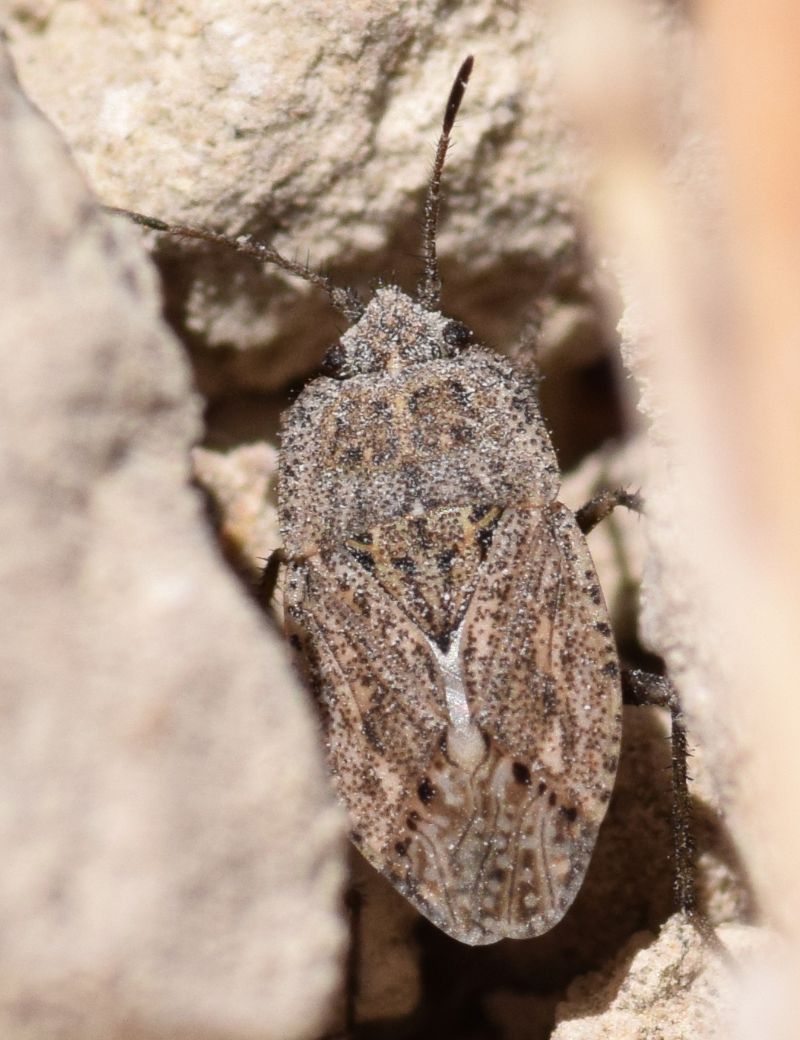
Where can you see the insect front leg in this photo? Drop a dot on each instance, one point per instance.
(604, 504)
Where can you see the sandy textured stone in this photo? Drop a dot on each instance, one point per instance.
(316, 132)
(672, 988)
(240, 484)
(172, 858)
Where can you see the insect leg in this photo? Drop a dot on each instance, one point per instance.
(604, 504)
(269, 578)
(353, 900)
(643, 688)
(346, 1017)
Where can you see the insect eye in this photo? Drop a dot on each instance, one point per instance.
(456, 334)
(333, 361)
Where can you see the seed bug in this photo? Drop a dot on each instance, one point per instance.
(445, 610)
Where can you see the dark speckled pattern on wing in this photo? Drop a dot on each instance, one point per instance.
(539, 658)
(492, 842)
(376, 683)
(429, 564)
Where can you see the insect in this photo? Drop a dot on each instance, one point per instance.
(445, 610)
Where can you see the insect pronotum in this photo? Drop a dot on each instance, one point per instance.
(445, 609)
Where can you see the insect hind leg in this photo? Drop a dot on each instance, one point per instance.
(646, 689)
(604, 504)
(643, 688)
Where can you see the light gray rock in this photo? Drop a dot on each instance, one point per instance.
(171, 854)
(673, 988)
(314, 129)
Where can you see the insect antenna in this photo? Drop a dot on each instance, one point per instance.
(430, 284)
(344, 300)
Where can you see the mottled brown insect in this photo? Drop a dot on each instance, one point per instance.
(445, 609)
(451, 626)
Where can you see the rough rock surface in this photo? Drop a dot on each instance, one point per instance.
(316, 133)
(240, 485)
(673, 988)
(172, 862)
